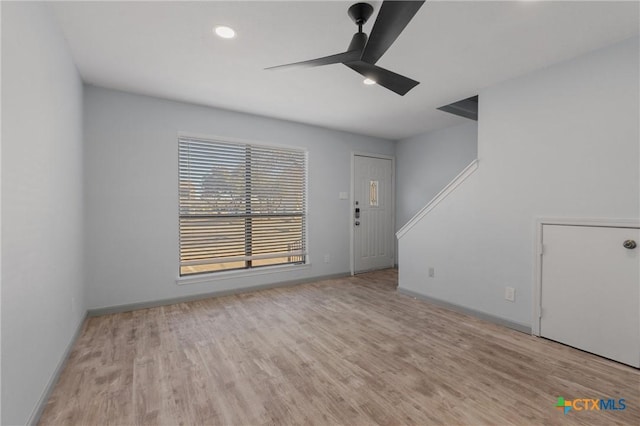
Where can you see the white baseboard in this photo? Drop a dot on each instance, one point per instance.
(468, 311)
(44, 398)
(95, 312)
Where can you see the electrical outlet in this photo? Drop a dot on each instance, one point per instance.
(432, 272)
(327, 258)
(510, 294)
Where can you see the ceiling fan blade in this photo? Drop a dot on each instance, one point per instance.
(392, 19)
(352, 55)
(395, 82)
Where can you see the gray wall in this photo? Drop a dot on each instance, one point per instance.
(131, 178)
(560, 142)
(426, 163)
(42, 206)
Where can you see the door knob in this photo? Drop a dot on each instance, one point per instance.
(629, 244)
(357, 223)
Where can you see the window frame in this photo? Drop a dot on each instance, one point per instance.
(250, 270)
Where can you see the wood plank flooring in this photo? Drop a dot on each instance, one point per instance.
(348, 351)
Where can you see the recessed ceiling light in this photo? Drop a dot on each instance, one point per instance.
(369, 82)
(225, 32)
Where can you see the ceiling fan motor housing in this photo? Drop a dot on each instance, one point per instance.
(358, 41)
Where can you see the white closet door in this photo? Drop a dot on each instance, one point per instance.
(591, 290)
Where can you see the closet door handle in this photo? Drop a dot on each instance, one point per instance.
(629, 244)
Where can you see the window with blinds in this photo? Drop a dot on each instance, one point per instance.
(241, 205)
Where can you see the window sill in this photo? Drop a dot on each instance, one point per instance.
(229, 275)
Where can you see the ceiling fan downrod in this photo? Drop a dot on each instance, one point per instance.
(360, 13)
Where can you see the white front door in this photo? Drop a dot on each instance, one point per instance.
(372, 213)
(591, 290)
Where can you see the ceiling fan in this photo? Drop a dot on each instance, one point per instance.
(363, 52)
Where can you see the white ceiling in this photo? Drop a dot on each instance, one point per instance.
(453, 48)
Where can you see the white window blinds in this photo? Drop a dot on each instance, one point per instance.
(241, 205)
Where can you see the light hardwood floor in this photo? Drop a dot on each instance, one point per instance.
(348, 351)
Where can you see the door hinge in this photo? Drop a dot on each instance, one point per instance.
(540, 313)
(542, 249)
